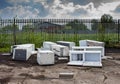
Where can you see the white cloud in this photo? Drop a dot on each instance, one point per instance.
(20, 11)
(61, 10)
(58, 9)
(18, 1)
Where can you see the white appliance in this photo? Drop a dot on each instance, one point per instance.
(45, 57)
(32, 46)
(23, 52)
(66, 43)
(91, 43)
(89, 48)
(60, 50)
(85, 58)
(47, 45)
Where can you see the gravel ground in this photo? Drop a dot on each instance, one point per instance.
(29, 72)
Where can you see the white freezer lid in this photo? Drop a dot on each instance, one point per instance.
(49, 42)
(58, 46)
(84, 52)
(92, 41)
(65, 42)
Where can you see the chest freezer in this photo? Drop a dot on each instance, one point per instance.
(66, 43)
(60, 50)
(22, 52)
(45, 57)
(89, 48)
(85, 58)
(47, 45)
(91, 43)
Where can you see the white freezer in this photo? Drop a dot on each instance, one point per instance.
(47, 45)
(45, 57)
(85, 58)
(66, 43)
(91, 43)
(60, 50)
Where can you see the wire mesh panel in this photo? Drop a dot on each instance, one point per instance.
(19, 31)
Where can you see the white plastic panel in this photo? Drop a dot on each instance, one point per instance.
(95, 57)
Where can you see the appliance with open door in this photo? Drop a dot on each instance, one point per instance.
(66, 43)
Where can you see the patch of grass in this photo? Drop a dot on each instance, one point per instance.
(6, 40)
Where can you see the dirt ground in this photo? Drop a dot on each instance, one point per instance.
(29, 72)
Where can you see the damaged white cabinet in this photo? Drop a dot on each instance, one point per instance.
(45, 57)
(90, 48)
(60, 50)
(66, 43)
(85, 58)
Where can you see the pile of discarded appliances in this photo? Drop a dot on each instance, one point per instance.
(88, 53)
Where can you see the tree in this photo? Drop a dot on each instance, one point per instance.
(106, 21)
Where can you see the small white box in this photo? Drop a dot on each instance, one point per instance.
(66, 43)
(45, 57)
(60, 50)
(47, 45)
(91, 43)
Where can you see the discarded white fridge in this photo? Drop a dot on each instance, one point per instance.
(47, 45)
(66, 43)
(32, 46)
(91, 43)
(45, 57)
(23, 52)
(60, 50)
(85, 58)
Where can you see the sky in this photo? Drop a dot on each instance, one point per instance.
(82, 9)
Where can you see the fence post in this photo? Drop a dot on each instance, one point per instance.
(118, 30)
(14, 31)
